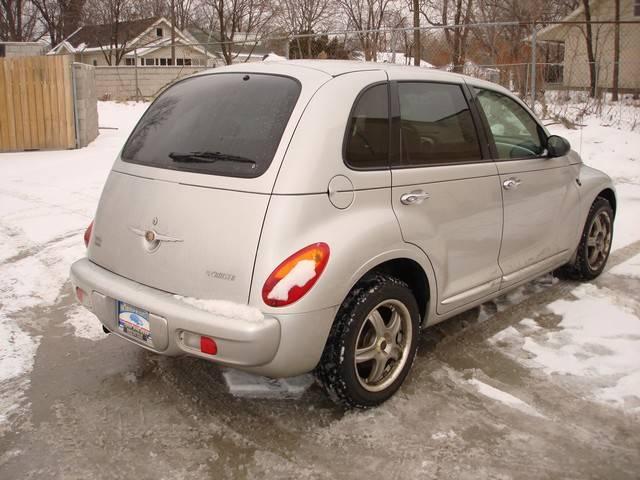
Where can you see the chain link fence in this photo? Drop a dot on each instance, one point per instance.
(536, 62)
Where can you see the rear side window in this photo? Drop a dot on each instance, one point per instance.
(515, 133)
(220, 124)
(367, 142)
(436, 126)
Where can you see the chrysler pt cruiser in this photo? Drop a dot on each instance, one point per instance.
(302, 216)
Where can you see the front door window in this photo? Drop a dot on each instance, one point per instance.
(515, 132)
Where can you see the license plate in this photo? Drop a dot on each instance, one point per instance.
(134, 322)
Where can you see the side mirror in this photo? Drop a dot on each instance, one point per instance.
(558, 146)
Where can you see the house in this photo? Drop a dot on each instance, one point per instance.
(145, 42)
(22, 49)
(572, 36)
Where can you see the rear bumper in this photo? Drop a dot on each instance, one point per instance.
(176, 326)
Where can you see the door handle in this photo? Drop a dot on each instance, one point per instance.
(413, 198)
(511, 183)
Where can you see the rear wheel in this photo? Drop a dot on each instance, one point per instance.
(595, 243)
(372, 343)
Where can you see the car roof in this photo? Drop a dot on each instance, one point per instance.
(334, 68)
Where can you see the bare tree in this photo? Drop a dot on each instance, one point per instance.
(367, 16)
(17, 20)
(590, 53)
(231, 17)
(455, 15)
(60, 18)
(303, 17)
(417, 50)
(113, 15)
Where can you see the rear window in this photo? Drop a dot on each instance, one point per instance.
(367, 140)
(222, 124)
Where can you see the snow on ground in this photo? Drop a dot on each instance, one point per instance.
(85, 324)
(596, 343)
(503, 397)
(47, 199)
(630, 268)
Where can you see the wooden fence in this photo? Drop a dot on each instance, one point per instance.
(36, 103)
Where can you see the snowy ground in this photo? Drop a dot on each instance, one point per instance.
(541, 383)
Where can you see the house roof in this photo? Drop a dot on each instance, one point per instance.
(100, 35)
(242, 49)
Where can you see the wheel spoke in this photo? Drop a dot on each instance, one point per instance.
(378, 323)
(377, 370)
(591, 242)
(394, 325)
(396, 352)
(598, 225)
(366, 353)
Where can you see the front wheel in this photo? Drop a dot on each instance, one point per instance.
(372, 343)
(595, 243)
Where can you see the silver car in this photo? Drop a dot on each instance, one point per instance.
(301, 216)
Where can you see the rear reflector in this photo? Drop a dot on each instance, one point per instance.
(208, 346)
(87, 234)
(80, 294)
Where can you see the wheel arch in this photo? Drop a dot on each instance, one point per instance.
(609, 195)
(413, 271)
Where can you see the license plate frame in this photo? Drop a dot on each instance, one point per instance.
(133, 322)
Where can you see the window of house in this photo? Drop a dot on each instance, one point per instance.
(179, 61)
(2, 51)
(367, 143)
(129, 61)
(149, 62)
(187, 62)
(95, 63)
(159, 32)
(436, 126)
(515, 132)
(636, 8)
(163, 61)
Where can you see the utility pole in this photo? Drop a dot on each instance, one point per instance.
(616, 54)
(417, 51)
(173, 32)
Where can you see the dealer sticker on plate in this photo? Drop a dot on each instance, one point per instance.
(134, 322)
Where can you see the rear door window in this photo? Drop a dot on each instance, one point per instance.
(436, 126)
(222, 124)
(367, 142)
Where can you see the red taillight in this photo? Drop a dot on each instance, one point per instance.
(208, 345)
(87, 234)
(294, 277)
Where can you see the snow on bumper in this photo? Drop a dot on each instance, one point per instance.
(248, 340)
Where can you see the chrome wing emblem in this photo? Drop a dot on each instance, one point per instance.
(153, 236)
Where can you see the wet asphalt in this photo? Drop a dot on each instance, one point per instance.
(107, 409)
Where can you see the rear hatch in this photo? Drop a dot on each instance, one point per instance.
(182, 210)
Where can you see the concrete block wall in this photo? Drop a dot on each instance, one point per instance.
(119, 83)
(86, 103)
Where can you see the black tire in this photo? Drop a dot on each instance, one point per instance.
(337, 372)
(582, 268)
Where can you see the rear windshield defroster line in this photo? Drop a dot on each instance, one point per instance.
(220, 124)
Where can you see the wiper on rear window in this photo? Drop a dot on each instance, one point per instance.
(208, 157)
